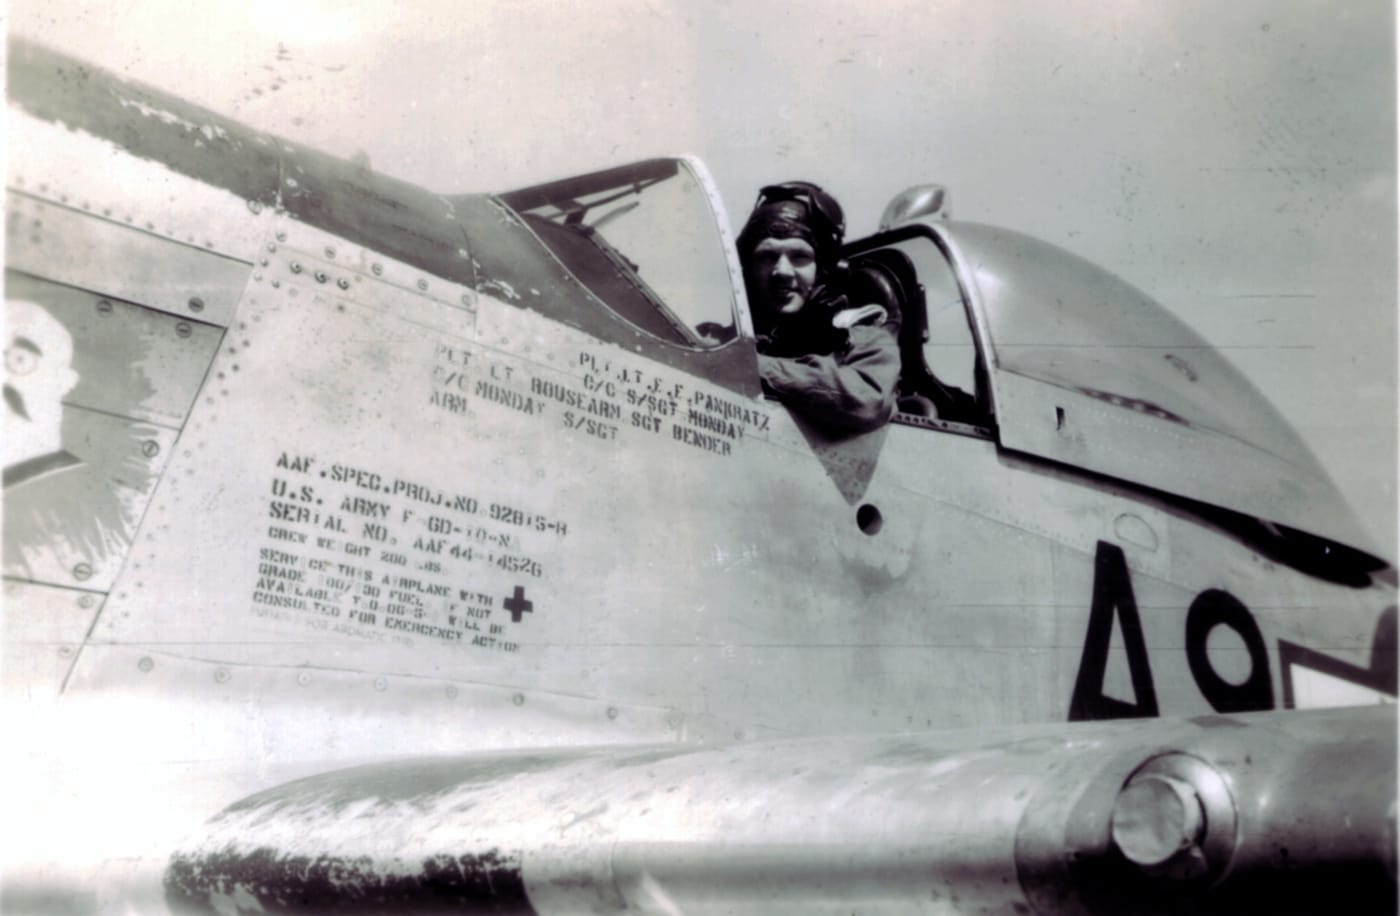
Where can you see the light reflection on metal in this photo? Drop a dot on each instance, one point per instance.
(1175, 817)
(117, 261)
(1061, 331)
(924, 201)
(1011, 820)
(173, 205)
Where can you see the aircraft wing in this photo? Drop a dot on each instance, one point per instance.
(1279, 813)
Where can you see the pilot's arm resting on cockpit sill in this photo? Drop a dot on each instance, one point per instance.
(850, 389)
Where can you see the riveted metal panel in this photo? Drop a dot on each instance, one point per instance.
(407, 222)
(301, 254)
(43, 630)
(71, 524)
(97, 176)
(90, 425)
(470, 239)
(403, 486)
(331, 382)
(131, 361)
(318, 395)
(312, 712)
(114, 259)
(494, 479)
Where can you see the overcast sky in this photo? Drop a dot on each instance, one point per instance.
(1236, 160)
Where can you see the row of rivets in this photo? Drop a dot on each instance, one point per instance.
(148, 225)
(196, 304)
(223, 675)
(376, 268)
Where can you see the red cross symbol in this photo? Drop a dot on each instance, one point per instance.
(518, 606)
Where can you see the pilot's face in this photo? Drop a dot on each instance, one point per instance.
(783, 273)
(38, 363)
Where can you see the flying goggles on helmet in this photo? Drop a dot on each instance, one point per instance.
(824, 216)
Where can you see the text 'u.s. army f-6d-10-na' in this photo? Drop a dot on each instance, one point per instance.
(372, 550)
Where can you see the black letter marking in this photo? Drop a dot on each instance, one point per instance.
(1211, 609)
(1113, 590)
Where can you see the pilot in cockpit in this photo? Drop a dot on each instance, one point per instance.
(832, 360)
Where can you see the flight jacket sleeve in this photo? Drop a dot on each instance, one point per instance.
(850, 391)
